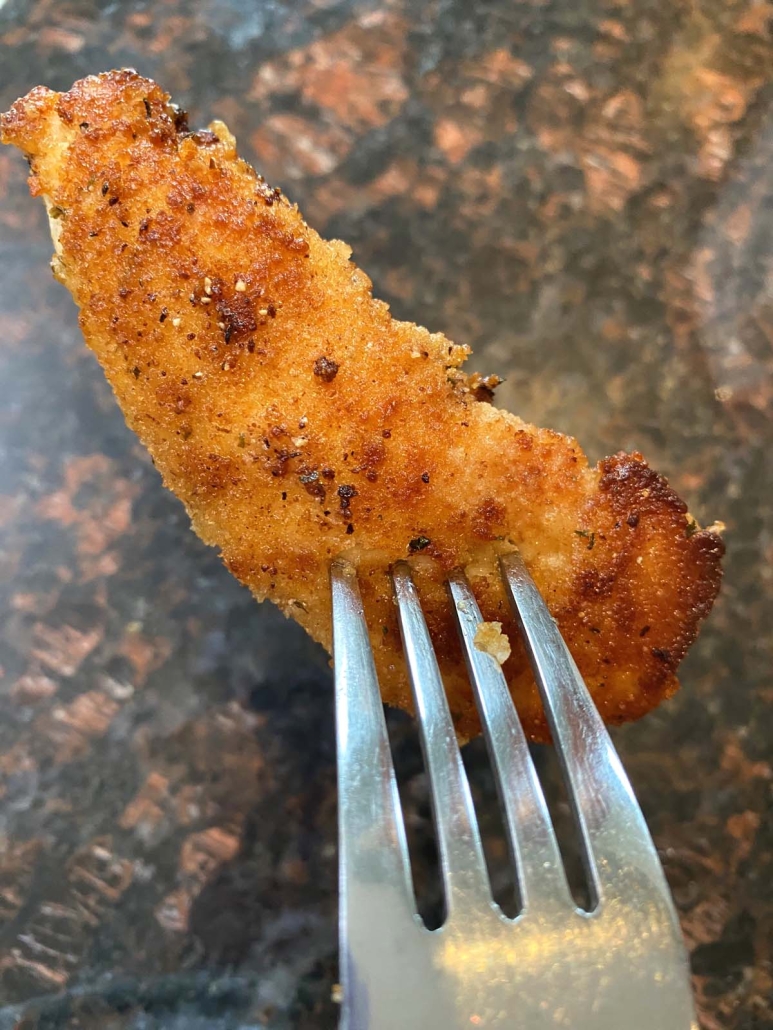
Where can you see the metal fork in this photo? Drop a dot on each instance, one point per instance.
(619, 966)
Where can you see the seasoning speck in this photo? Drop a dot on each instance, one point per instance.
(326, 369)
(241, 286)
(418, 544)
(590, 537)
(346, 492)
(177, 322)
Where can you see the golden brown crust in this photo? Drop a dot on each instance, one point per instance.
(297, 420)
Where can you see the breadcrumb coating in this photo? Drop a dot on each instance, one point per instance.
(297, 420)
(490, 639)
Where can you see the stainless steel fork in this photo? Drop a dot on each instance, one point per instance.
(620, 966)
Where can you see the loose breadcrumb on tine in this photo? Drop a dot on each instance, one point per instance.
(401, 453)
(490, 639)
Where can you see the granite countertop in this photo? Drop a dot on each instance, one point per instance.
(582, 190)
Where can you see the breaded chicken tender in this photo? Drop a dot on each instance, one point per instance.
(297, 420)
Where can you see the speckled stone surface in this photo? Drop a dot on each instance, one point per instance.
(580, 189)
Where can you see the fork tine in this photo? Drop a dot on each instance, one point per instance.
(374, 867)
(541, 878)
(465, 876)
(619, 852)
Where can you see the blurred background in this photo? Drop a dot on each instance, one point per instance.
(582, 190)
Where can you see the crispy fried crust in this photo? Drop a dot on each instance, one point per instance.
(298, 421)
